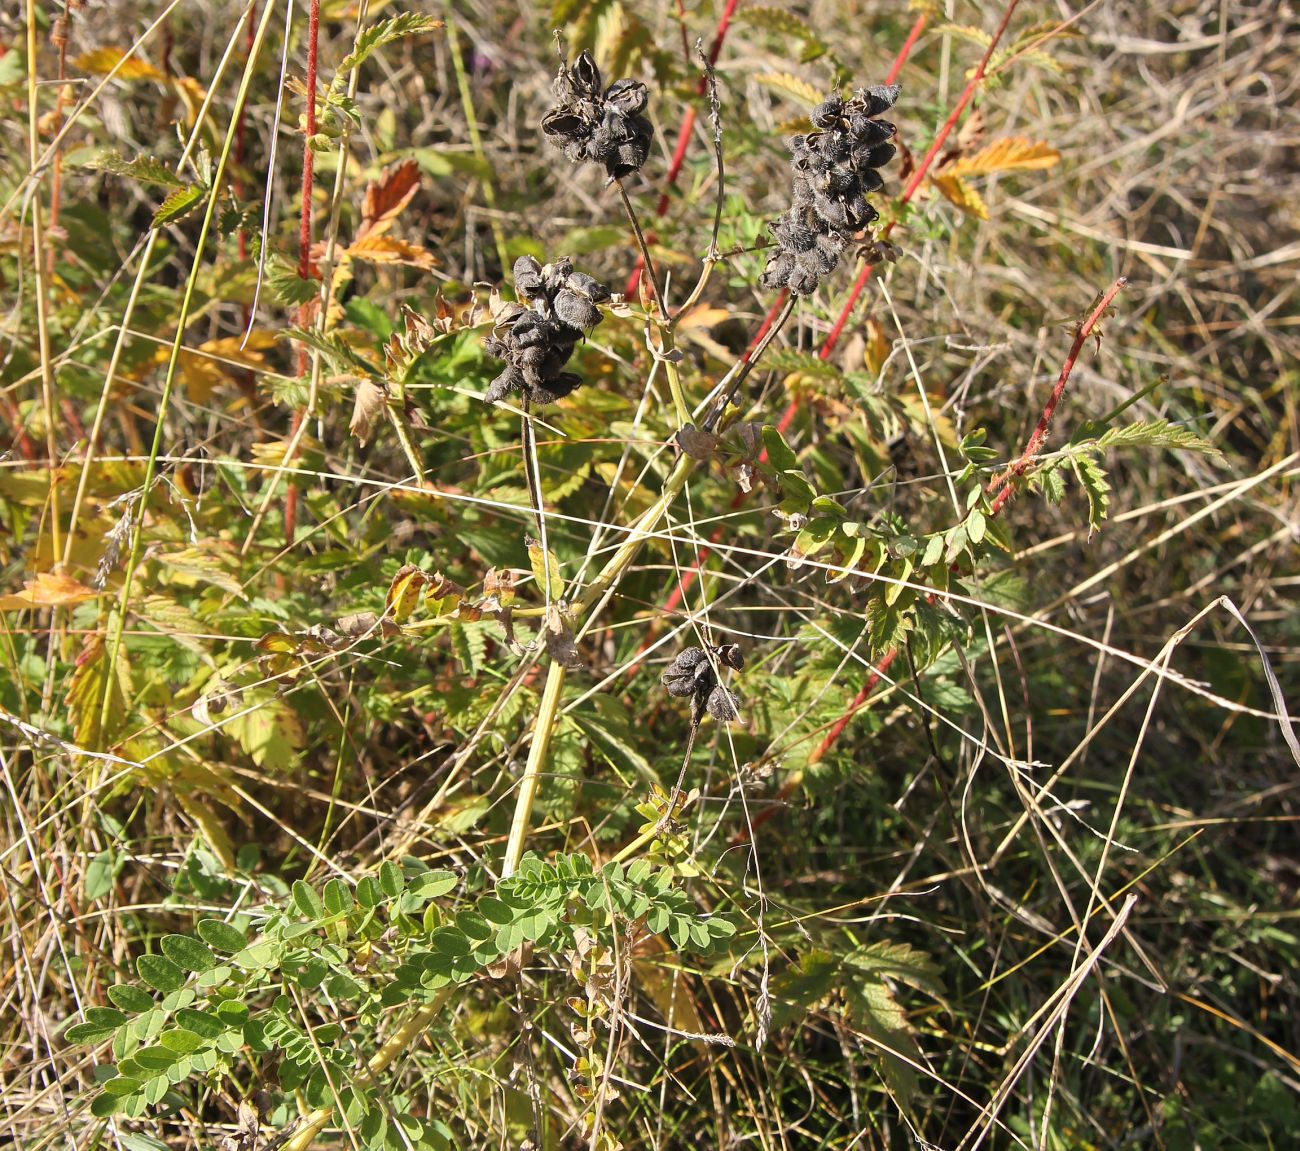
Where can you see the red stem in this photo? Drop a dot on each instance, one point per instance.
(787, 418)
(304, 238)
(1001, 487)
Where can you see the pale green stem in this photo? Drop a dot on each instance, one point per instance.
(405, 1036)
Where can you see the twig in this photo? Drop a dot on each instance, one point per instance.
(1002, 487)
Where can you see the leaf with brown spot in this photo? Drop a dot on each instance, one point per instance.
(404, 592)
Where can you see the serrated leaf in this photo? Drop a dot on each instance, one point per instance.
(390, 250)
(378, 35)
(143, 168)
(1156, 434)
(403, 595)
(387, 197)
(1010, 154)
(101, 61)
(179, 204)
(47, 589)
(86, 694)
(961, 194)
(1092, 476)
(791, 87)
(803, 986)
(290, 288)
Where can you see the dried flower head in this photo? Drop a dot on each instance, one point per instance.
(606, 126)
(537, 338)
(835, 169)
(692, 675)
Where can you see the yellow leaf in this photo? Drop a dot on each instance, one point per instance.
(955, 189)
(86, 695)
(47, 590)
(791, 86)
(103, 60)
(1012, 154)
(703, 316)
(546, 569)
(404, 592)
(212, 363)
(379, 249)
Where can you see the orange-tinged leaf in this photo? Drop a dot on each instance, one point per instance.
(703, 316)
(404, 592)
(47, 590)
(103, 60)
(1011, 154)
(956, 190)
(389, 250)
(205, 368)
(387, 196)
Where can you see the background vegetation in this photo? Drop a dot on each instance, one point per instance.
(275, 633)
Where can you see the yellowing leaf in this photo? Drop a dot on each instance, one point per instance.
(703, 316)
(404, 592)
(268, 729)
(958, 192)
(1013, 154)
(47, 590)
(389, 250)
(86, 695)
(546, 569)
(103, 60)
(212, 363)
(798, 90)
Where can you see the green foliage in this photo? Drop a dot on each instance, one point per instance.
(221, 997)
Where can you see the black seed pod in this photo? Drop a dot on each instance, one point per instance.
(834, 168)
(605, 127)
(692, 676)
(536, 341)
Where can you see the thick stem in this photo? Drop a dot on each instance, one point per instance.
(543, 728)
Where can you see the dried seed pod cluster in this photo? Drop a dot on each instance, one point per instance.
(692, 675)
(537, 338)
(835, 168)
(603, 125)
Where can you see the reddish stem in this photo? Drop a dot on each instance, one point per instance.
(1001, 488)
(304, 238)
(787, 418)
